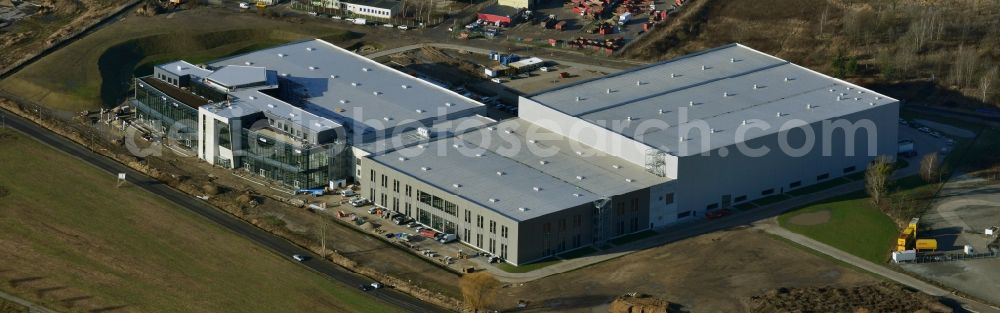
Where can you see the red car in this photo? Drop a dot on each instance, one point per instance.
(717, 214)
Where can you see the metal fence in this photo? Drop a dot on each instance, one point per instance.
(944, 257)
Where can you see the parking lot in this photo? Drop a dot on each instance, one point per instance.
(403, 232)
(539, 29)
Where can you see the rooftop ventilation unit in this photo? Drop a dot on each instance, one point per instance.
(532, 141)
(609, 91)
(809, 106)
(365, 69)
(522, 209)
(421, 146)
(732, 60)
(629, 118)
(579, 178)
(376, 93)
(778, 114)
(448, 104)
(508, 131)
(576, 195)
(704, 67)
(755, 86)
(672, 75)
(343, 101)
(500, 173)
(543, 162)
(711, 130)
(424, 132)
(333, 76)
(536, 188)
(312, 68)
(252, 97)
(629, 180)
(424, 168)
(725, 94)
(291, 114)
(660, 111)
(310, 48)
(355, 84)
(786, 79)
(269, 105)
(494, 200)
(479, 155)
(420, 111)
(838, 98)
(690, 103)
(871, 103)
(386, 118)
(578, 99)
(616, 166)
(247, 63)
(579, 153)
(284, 74)
(680, 138)
(831, 89)
(401, 159)
(405, 86)
(318, 125)
(456, 185)
(638, 83)
(877, 98)
(281, 55)
(456, 146)
(744, 122)
(491, 128)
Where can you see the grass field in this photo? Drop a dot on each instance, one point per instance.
(507, 267)
(95, 70)
(73, 242)
(854, 225)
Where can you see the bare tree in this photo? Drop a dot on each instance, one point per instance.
(930, 168)
(986, 81)
(878, 179)
(479, 290)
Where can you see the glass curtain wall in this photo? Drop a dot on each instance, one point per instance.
(163, 113)
(295, 166)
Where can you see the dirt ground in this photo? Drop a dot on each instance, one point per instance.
(715, 272)
(50, 21)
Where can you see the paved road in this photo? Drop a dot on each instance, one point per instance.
(32, 307)
(274, 243)
(483, 51)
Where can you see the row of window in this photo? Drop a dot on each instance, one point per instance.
(770, 191)
(437, 203)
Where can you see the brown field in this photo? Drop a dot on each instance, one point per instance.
(931, 52)
(73, 242)
(715, 272)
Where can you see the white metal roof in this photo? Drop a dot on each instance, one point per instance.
(337, 82)
(238, 75)
(721, 86)
(181, 68)
(483, 167)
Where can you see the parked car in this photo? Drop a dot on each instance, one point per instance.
(717, 214)
(337, 17)
(403, 27)
(935, 134)
(364, 287)
(496, 80)
(388, 25)
(299, 257)
(358, 201)
(376, 285)
(347, 193)
(244, 5)
(924, 129)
